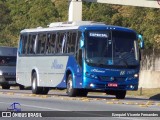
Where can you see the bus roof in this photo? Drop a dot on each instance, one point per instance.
(82, 25)
(8, 51)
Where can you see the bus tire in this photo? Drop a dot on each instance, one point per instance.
(21, 87)
(5, 87)
(45, 90)
(120, 94)
(82, 92)
(72, 92)
(35, 88)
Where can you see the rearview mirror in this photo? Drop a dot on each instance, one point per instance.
(141, 44)
(81, 43)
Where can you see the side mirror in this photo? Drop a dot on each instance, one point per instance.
(81, 43)
(141, 41)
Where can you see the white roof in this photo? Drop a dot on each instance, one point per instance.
(61, 25)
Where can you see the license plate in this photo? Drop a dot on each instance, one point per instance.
(12, 82)
(112, 85)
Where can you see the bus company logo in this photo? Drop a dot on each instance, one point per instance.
(158, 2)
(55, 65)
(122, 73)
(96, 70)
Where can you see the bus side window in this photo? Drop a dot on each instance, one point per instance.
(53, 43)
(28, 44)
(48, 44)
(78, 49)
(31, 44)
(20, 50)
(23, 44)
(41, 44)
(59, 42)
(71, 42)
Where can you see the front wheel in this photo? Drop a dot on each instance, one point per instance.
(120, 94)
(35, 88)
(82, 92)
(72, 92)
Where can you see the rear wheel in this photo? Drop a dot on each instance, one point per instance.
(120, 94)
(45, 90)
(72, 92)
(35, 88)
(5, 87)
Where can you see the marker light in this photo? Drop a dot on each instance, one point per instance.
(136, 75)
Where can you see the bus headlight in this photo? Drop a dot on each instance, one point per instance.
(1, 73)
(136, 75)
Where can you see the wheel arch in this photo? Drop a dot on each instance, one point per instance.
(68, 72)
(35, 70)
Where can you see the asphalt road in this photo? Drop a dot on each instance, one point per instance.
(63, 107)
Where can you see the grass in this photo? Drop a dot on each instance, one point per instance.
(146, 92)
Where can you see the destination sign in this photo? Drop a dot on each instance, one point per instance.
(94, 34)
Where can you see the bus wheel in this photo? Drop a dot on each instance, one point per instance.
(70, 90)
(21, 87)
(35, 88)
(82, 93)
(121, 94)
(45, 90)
(5, 86)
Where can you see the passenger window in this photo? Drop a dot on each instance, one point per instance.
(71, 42)
(22, 44)
(50, 47)
(31, 43)
(41, 44)
(59, 42)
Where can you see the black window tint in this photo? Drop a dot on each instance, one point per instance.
(41, 44)
(31, 43)
(59, 42)
(23, 44)
(50, 47)
(78, 40)
(71, 42)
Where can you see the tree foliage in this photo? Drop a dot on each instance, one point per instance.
(20, 14)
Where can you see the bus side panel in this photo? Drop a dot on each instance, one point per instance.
(52, 70)
(22, 71)
(76, 72)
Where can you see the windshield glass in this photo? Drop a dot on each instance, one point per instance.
(111, 48)
(7, 61)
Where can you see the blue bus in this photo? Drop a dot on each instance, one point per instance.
(80, 57)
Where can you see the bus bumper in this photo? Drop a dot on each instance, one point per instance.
(110, 85)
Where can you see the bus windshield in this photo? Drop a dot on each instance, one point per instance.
(7, 61)
(112, 49)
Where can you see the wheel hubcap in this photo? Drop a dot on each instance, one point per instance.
(69, 85)
(34, 84)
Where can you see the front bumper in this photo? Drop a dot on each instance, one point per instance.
(9, 80)
(93, 84)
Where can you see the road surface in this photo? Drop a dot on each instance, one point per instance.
(60, 105)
